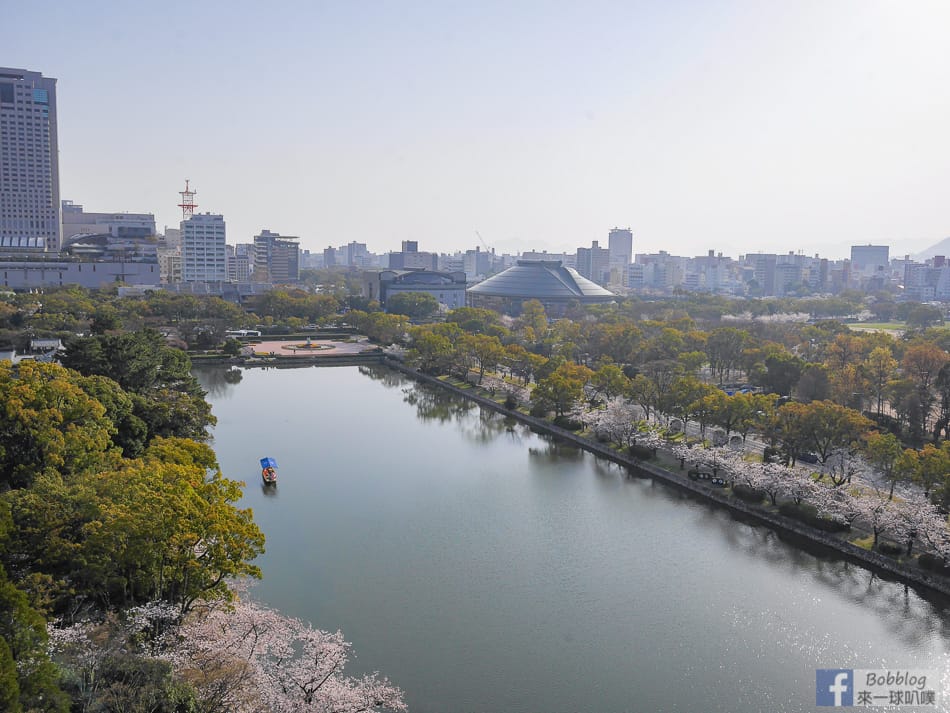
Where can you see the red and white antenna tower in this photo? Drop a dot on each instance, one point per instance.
(187, 204)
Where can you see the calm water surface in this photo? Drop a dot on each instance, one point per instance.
(482, 567)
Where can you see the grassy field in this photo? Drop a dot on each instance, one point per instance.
(878, 326)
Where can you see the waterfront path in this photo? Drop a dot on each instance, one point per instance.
(882, 564)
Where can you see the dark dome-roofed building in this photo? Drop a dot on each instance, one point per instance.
(545, 280)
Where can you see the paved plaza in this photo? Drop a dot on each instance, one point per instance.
(315, 347)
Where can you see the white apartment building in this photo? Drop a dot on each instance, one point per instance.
(29, 160)
(203, 251)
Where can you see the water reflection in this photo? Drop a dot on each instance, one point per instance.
(390, 378)
(849, 581)
(218, 379)
(488, 426)
(436, 404)
(555, 452)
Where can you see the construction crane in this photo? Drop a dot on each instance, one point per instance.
(489, 249)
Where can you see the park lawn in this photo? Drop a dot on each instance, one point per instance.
(878, 326)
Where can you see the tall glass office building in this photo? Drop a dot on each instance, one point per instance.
(29, 162)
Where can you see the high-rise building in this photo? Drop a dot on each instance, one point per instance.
(276, 258)
(477, 263)
(620, 245)
(594, 263)
(29, 162)
(203, 252)
(357, 254)
(869, 260)
(239, 263)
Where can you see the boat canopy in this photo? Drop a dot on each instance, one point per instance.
(268, 463)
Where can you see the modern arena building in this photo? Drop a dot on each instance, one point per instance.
(548, 281)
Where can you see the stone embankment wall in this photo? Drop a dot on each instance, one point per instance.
(872, 560)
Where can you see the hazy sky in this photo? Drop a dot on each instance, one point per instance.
(734, 126)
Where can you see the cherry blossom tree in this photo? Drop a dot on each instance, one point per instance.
(933, 532)
(743, 472)
(797, 485)
(250, 658)
(773, 479)
(683, 452)
(241, 657)
(878, 512)
(919, 520)
(842, 465)
(108, 664)
(837, 503)
(648, 436)
(616, 421)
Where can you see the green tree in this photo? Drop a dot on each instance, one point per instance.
(105, 319)
(685, 398)
(166, 395)
(884, 452)
(814, 385)
(609, 381)
(880, 368)
(618, 341)
(731, 412)
(130, 432)
(782, 372)
(164, 526)
(486, 351)
(9, 686)
(28, 679)
(922, 364)
(534, 317)
(919, 315)
(415, 305)
(824, 427)
(521, 362)
(231, 347)
(430, 352)
(646, 394)
(48, 423)
(724, 348)
(933, 464)
(562, 389)
(475, 320)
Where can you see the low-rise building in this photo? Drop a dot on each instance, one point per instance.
(550, 282)
(447, 287)
(30, 273)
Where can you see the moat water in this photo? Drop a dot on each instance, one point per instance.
(486, 568)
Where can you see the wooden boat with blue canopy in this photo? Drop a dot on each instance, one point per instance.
(269, 471)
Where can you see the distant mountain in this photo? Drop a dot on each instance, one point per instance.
(941, 248)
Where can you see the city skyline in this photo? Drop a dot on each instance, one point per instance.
(810, 127)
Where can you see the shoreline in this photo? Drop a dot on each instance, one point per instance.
(873, 561)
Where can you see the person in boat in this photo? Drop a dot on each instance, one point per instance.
(269, 473)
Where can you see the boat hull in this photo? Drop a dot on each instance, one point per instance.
(269, 471)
